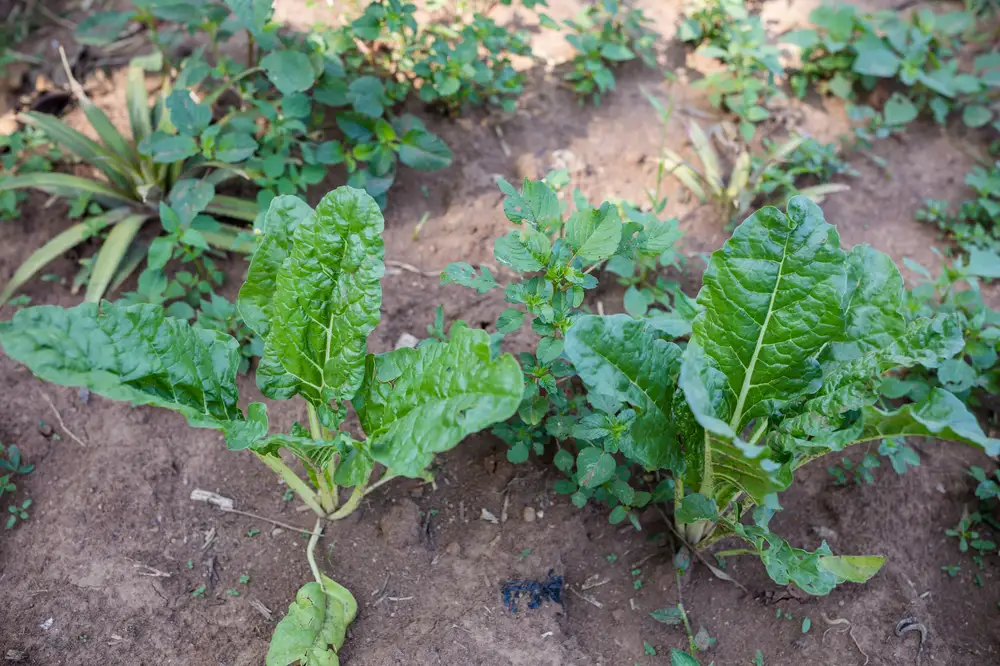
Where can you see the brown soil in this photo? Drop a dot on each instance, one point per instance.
(427, 572)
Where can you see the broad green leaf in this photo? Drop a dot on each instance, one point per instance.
(976, 115)
(854, 568)
(133, 354)
(112, 251)
(594, 466)
(313, 631)
(899, 110)
(877, 62)
(328, 296)
(58, 246)
(678, 658)
(289, 71)
(235, 147)
(165, 148)
(535, 204)
(629, 360)
(940, 415)
(525, 250)
(188, 198)
(594, 234)
(424, 151)
(872, 303)
(187, 115)
(102, 28)
(253, 15)
(695, 507)
(418, 402)
(772, 299)
(256, 294)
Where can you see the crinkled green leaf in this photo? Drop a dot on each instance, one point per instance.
(256, 294)
(313, 631)
(872, 304)
(940, 415)
(328, 296)
(772, 299)
(437, 395)
(631, 361)
(132, 353)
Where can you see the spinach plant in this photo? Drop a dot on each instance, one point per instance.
(313, 294)
(605, 34)
(782, 367)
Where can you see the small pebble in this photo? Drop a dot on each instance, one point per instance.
(529, 514)
(453, 549)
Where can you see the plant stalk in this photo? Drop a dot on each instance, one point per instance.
(350, 505)
(294, 482)
(311, 551)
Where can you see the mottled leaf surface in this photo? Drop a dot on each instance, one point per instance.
(132, 353)
(629, 359)
(418, 402)
(328, 296)
(313, 631)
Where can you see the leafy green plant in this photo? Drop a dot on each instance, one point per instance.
(605, 34)
(788, 375)
(149, 176)
(564, 254)
(974, 371)
(22, 152)
(737, 38)
(313, 295)
(12, 465)
(454, 74)
(974, 223)
(850, 50)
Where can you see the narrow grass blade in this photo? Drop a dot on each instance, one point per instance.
(110, 256)
(109, 134)
(83, 147)
(234, 207)
(137, 252)
(691, 179)
(819, 192)
(740, 176)
(137, 101)
(66, 186)
(706, 153)
(56, 247)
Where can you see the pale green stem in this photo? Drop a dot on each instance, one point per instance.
(311, 551)
(294, 482)
(684, 615)
(327, 490)
(350, 505)
(734, 551)
(761, 427)
(389, 476)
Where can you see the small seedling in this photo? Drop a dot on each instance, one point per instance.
(245, 579)
(524, 554)
(252, 532)
(806, 624)
(199, 592)
(190, 564)
(289, 495)
(232, 592)
(951, 569)
(758, 659)
(611, 557)
(648, 648)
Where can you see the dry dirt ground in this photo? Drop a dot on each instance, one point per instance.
(427, 572)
